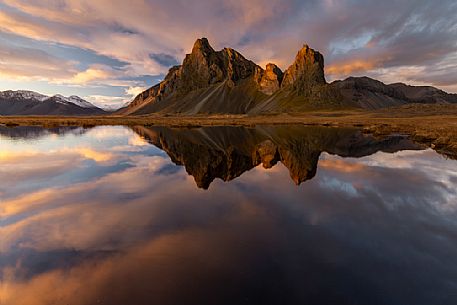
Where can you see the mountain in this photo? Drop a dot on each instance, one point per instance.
(369, 93)
(224, 81)
(32, 103)
(207, 81)
(226, 152)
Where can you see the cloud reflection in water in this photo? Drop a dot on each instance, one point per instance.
(133, 228)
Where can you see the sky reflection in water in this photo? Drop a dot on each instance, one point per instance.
(101, 216)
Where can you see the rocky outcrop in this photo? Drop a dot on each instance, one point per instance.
(305, 73)
(270, 79)
(225, 82)
(205, 67)
(205, 79)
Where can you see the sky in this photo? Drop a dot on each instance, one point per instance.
(107, 51)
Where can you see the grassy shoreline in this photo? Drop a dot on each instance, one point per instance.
(434, 125)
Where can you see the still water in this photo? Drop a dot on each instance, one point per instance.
(224, 215)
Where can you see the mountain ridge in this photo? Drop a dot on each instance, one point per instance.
(225, 82)
(25, 102)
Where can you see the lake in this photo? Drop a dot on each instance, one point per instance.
(224, 215)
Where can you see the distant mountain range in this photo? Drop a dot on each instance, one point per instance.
(210, 81)
(32, 103)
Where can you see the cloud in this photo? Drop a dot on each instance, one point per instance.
(361, 37)
(108, 102)
(347, 68)
(86, 239)
(341, 165)
(29, 63)
(164, 59)
(90, 75)
(134, 91)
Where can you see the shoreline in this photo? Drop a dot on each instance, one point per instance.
(433, 125)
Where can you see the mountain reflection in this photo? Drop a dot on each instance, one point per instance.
(227, 152)
(36, 132)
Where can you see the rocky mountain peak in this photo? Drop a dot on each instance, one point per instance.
(227, 74)
(306, 71)
(200, 68)
(202, 45)
(271, 79)
(205, 67)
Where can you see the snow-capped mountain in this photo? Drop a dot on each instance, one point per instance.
(75, 100)
(23, 102)
(31, 95)
(23, 95)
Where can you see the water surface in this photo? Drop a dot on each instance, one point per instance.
(224, 215)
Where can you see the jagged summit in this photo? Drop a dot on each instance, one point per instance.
(210, 81)
(205, 80)
(271, 79)
(306, 71)
(204, 67)
(202, 45)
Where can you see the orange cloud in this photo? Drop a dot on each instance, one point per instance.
(154, 269)
(13, 156)
(134, 91)
(89, 153)
(341, 165)
(349, 67)
(90, 75)
(25, 203)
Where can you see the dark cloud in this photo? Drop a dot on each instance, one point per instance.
(166, 60)
(119, 28)
(411, 33)
(169, 169)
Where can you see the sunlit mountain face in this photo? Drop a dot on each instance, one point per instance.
(224, 215)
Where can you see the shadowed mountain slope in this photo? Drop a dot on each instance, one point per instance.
(368, 93)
